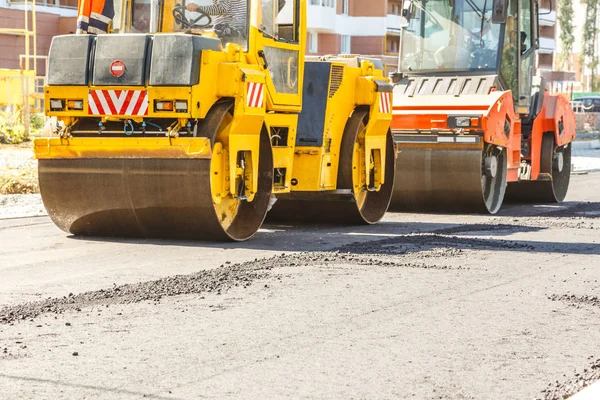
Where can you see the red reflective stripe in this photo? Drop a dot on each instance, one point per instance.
(138, 105)
(125, 105)
(94, 94)
(387, 103)
(259, 98)
(109, 102)
(251, 93)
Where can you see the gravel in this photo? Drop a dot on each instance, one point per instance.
(563, 390)
(576, 301)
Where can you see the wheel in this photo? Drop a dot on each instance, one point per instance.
(555, 175)
(352, 202)
(494, 168)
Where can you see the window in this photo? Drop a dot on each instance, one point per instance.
(394, 8)
(345, 44)
(525, 26)
(313, 40)
(280, 20)
(508, 65)
(526, 52)
(324, 3)
(345, 7)
(392, 44)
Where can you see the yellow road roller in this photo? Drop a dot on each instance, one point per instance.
(190, 120)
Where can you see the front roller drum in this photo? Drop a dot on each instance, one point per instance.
(352, 203)
(154, 197)
(555, 174)
(453, 179)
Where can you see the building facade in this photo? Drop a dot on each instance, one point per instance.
(364, 27)
(53, 17)
(355, 27)
(547, 65)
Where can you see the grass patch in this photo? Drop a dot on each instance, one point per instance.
(19, 185)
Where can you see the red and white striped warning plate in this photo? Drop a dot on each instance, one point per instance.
(255, 94)
(118, 102)
(385, 102)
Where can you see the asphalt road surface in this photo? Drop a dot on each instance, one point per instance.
(416, 307)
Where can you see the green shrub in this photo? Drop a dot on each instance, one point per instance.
(12, 128)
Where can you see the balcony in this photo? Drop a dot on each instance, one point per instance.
(393, 24)
(547, 19)
(547, 45)
(320, 18)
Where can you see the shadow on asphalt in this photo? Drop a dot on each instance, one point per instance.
(570, 209)
(382, 238)
(293, 237)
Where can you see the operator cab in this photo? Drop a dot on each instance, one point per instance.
(493, 38)
(274, 18)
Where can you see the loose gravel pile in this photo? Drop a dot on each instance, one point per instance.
(452, 245)
(217, 280)
(577, 301)
(580, 380)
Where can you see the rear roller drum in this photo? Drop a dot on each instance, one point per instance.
(156, 197)
(555, 174)
(352, 202)
(450, 179)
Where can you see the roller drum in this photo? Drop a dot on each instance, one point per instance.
(151, 197)
(341, 206)
(452, 179)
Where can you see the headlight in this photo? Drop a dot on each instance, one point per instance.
(181, 105)
(75, 104)
(463, 122)
(56, 104)
(162, 105)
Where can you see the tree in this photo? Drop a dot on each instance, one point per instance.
(567, 38)
(589, 56)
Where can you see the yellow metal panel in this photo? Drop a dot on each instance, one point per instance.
(328, 173)
(307, 168)
(12, 82)
(49, 148)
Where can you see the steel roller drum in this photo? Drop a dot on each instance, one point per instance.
(449, 179)
(160, 198)
(341, 206)
(151, 197)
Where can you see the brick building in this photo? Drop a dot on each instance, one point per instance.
(53, 17)
(355, 26)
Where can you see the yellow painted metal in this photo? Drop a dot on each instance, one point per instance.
(12, 86)
(315, 169)
(82, 93)
(101, 147)
(283, 152)
(226, 205)
(361, 166)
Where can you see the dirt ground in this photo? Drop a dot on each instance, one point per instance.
(418, 306)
